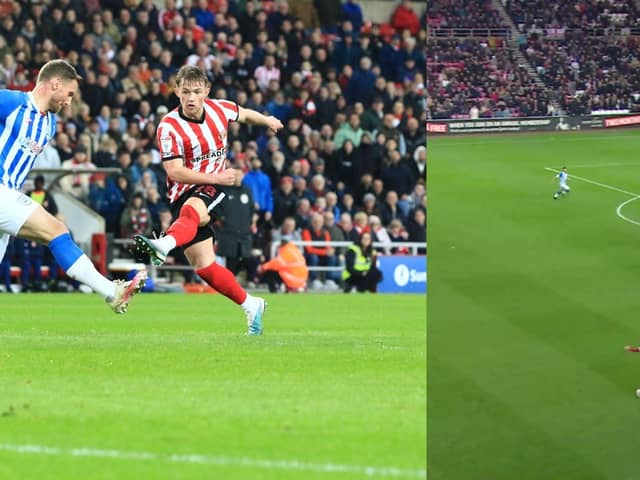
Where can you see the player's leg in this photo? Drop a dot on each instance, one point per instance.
(202, 257)
(40, 226)
(558, 193)
(565, 189)
(5, 263)
(192, 214)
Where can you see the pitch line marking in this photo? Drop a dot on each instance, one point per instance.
(634, 196)
(368, 471)
(601, 165)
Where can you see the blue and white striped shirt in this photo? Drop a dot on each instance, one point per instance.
(562, 177)
(24, 133)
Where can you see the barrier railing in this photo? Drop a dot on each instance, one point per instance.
(413, 247)
(481, 32)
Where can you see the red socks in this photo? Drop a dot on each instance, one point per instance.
(223, 281)
(185, 227)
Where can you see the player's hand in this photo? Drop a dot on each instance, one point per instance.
(226, 177)
(274, 124)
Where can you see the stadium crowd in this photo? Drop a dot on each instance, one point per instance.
(583, 66)
(351, 93)
(540, 15)
(472, 78)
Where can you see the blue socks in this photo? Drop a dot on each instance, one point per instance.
(65, 251)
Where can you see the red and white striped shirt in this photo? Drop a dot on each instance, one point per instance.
(202, 145)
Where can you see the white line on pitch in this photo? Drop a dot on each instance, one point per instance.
(593, 182)
(600, 165)
(622, 205)
(368, 471)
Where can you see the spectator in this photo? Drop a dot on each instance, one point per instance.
(417, 228)
(286, 232)
(361, 84)
(329, 14)
(287, 268)
(346, 225)
(370, 205)
(260, 185)
(42, 196)
(397, 234)
(276, 169)
(136, 218)
(361, 272)
(264, 74)
(353, 13)
(371, 157)
(49, 158)
(284, 201)
(335, 233)
(77, 184)
(349, 131)
(323, 256)
(347, 205)
(348, 163)
(303, 213)
(419, 165)
(379, 234)
(390, 210)
(414, 136)
(405, 18)
(397, 176)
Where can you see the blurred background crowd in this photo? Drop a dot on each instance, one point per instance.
(514, 58)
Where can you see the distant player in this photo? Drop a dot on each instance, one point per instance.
(27, 125)
(193, 142)
(562, 181)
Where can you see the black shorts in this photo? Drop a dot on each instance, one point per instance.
(210, 195)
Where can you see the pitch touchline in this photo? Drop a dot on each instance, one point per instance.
(601, 165)
(216, 460)
(635, 196)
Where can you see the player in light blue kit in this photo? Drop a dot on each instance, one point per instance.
(562, 181)
(27, 125)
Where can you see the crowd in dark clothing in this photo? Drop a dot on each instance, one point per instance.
(582, 68)
(313, 68)
(476, 78)
(539, 14)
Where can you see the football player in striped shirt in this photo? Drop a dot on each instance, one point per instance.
(27, 125)
(562, 177)
(193, 145)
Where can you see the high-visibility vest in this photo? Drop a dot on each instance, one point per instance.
(362, 263)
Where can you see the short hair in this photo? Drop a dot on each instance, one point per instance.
(191, 74)
(58, 68)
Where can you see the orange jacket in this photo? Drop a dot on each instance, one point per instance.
(308, 235)
(290, 265)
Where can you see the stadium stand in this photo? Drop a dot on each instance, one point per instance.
(549, 58)
(310, 67)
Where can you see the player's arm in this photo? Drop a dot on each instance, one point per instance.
(177, 172)
(246, 115)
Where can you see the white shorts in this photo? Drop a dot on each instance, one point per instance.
(15, 209)
(564, 186)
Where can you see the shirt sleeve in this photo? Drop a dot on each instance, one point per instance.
(230, 109)
(169, 143)
(9, 101)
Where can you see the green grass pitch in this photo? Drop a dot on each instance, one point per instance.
(335, 388)
(531, 301)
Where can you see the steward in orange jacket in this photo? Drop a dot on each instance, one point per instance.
(289, 265)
